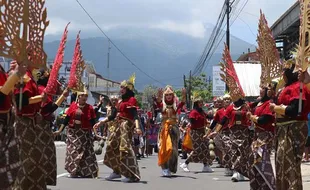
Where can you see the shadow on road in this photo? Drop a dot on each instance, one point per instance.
(179, 176)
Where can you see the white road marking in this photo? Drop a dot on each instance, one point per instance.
(216, 179)
(65, 174)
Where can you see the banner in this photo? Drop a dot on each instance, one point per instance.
(219, 86)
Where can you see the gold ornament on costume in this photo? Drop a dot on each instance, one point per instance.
(168, 90)
(267, 53)
(22, 28)
(229, 76)
(130, 83)
(303, 53)
(84, 92)
(196, 97)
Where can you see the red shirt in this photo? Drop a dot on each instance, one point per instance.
(125, 106)
(198, 120)
(219, 115)
(6, 105)
(263, 109)
(290, 93)
(30, 89)
(45, 106)
(237, 117)
(87, 113)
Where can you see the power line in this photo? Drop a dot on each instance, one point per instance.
(234, 19)
(132, 63)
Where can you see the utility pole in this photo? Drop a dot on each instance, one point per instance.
(187, 90)
(108, 67)
(190, 89)
(227, 17)
(228, 8)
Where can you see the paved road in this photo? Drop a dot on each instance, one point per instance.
(151, 178)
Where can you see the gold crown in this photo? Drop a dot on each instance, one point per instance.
(130, 83)
(196, 97)
(84, 92)
(168, 90)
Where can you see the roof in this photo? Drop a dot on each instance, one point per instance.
(99, 76)
(252, 56)
(249, 73)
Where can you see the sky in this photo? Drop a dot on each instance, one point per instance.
(181, 16)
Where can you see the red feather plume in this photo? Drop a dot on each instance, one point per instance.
(77, 67)
(52, 85)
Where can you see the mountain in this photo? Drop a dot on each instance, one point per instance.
(164, 55)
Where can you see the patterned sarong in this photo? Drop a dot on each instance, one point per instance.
(225, 146)
(240, 149)
(9, 157)
(49, 151)
(261, 174)
(80, 156)
(112, 155)
(290, 143)
(129, 164)
(31, 175)
(200, 153)
(171, 162)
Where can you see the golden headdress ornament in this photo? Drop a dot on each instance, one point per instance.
(303, 53)
(196, 97)
(130, 83)
(168, 90)
(267, 53)
(84, 92)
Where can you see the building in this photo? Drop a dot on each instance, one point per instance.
(286, 30)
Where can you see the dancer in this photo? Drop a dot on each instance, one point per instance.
(80, 156)
(8, 145)
(47, 110)
(238, 122)
(113, 138)
(291, 130)
(200, 152)
(120, 156)
(222, 140)
(169, 131)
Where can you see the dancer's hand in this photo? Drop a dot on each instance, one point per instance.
(272, 106)
(56, 133)
(138, 131)
(212, 135)
(97, 125)
(248, 115)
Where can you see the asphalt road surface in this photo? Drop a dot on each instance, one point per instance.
(151, 178)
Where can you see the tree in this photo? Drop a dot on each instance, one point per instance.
(148, 93)
(201, 86)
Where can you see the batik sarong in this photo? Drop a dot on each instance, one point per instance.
(240, 149)
(112, 155)
(200, 152)
(49, 151)
(290, 143)
(32, 173)
(261, 174)
(80, 156)
(9, 157)
(128, 162)
(224, 136)
(168, 145)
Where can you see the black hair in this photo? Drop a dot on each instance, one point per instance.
(290, 75)
(239, 102)
(196, 107)
(265, 97)
(129, 93)
(73, 97)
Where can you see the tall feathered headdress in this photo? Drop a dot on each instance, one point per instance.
(303, 53)
(78, 65)
(130, 83)
(22, 28)
(268, 53)
(196, 97)
(52, 85)
(229, 76)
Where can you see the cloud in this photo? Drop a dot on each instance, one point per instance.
(187, 17)
(194, 29)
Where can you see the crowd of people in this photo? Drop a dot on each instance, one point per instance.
(240, 133)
